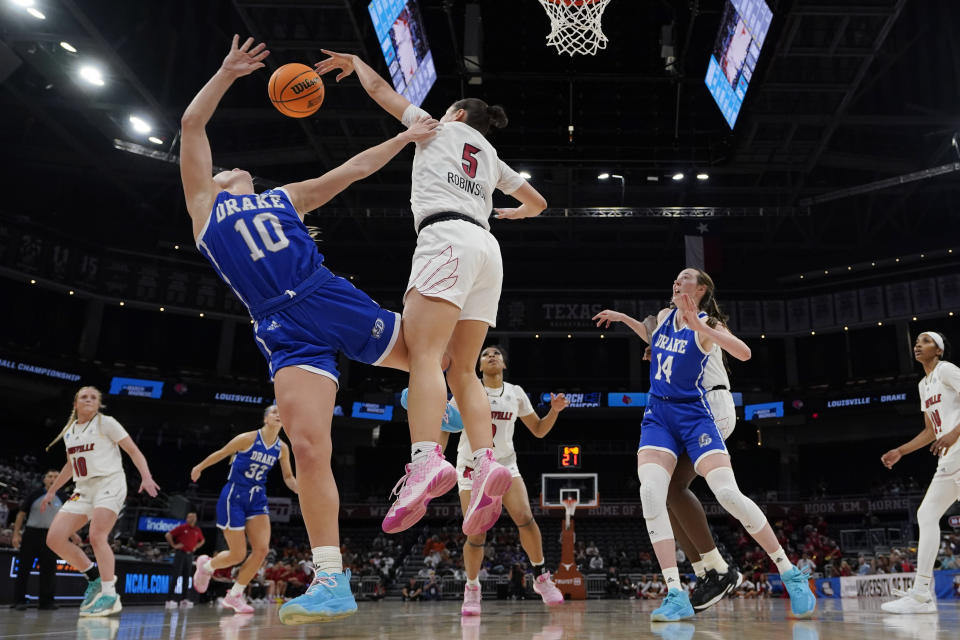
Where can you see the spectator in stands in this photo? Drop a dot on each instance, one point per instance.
(845, 569)
(459, 572)
(596, 563)
(592, 549)
(411, 591)
(863, 566)
(613, 583)
(948, 561)
(518, 582)
(379, 591)
(431, 590)
(883, 564)
(763, 585)
(747, 588)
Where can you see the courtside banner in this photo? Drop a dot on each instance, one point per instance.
(946, 585)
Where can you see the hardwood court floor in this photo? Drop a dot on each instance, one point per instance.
(595, 619)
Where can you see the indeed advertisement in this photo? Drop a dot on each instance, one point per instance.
(154, 524)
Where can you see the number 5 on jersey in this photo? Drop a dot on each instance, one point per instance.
(470, 160)
(664, 367)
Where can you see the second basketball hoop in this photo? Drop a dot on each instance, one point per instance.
(575, 25)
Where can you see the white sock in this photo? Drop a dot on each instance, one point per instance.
(327, 559)
(108, 588)
(420, 450)
(206, 567)
(473, 582)
(699, 569)
(780, 559)
(672, 577)
(479, 454)
(713, 560)
(921, 584)
(237, 589)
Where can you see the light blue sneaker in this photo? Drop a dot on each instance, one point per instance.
(452, 422)
(90, 595)
(802, 600)
(328, 598)
(103, 606)
(676, 606)
(673, 630)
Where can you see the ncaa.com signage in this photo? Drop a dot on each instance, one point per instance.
(881, 585)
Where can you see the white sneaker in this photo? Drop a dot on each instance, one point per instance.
(170, 604)
(911, 602)
(186, 604)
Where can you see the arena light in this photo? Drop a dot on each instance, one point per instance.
(678, 176)
(122, 303)
(155, 140)
(140, 125)
(23, 3)
(653, 178)
(36, 13)
(525, 175)
(71, 292)
(201, 314)
(603, 176)
(92, 75)
(703, 176)
(69, 47)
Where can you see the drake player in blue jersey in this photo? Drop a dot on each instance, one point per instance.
(242, 512)
(678, 419)
(303, 315)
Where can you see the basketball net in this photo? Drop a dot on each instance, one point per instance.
(575, 25)
(569, 506)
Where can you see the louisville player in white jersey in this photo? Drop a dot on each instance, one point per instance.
(715, 578)
(453, 291)
(93, 442)
(940, 404)
(507, 403)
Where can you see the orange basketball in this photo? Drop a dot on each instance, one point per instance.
(296, 90)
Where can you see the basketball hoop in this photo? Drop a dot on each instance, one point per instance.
(575, 25)
(569, 506)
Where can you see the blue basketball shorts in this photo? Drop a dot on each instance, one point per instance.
(239, 503)
(678, 427)
(336, 317)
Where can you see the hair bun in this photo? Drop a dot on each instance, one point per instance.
(498, 117)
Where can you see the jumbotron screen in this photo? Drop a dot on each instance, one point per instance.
(403, 42)
(743, 28)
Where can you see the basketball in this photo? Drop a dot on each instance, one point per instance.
(296, 90)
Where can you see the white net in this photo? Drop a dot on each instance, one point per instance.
(575, 25)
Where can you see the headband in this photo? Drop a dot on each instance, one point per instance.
(936, 337)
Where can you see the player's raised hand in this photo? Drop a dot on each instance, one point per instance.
(195, 473)
(688, 309)
(421, 130)
(244, 60)
(558, 402)
(608, 316)
(891, 458)
(337, 61)
(151, 487)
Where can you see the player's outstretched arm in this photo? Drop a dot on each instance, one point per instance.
(541, 426)
(531, 204)
(239, 443)
(922, 439)
(288, 478)
(196, 162)
(310, 194)
(136, 456)
(375, 86)
(643, 329)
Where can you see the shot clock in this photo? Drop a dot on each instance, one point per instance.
(569, 456)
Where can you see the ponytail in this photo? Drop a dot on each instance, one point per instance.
(73, 414)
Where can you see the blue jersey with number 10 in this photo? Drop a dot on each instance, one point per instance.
(676, 361)
(251, 466)
(258, 245)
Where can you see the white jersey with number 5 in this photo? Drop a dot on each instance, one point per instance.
(940, 400)
(507, 403)
(92, 447)
(456, 171)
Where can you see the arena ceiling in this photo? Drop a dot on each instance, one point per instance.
(845, 95)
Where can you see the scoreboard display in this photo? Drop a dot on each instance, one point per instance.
(569, 456)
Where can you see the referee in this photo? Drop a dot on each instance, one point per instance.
(184, 539)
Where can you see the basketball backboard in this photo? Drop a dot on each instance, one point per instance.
(554, 487)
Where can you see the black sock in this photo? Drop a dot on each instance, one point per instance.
(92, 573)
(539, 569)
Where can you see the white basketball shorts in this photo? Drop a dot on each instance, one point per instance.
(459, 262)
(107, 492)
(723, 410)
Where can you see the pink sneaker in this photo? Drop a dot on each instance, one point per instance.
(547, 589)
(490, 481)
(238, 603)
(201, 578)
(471, 601)
(429, 478)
